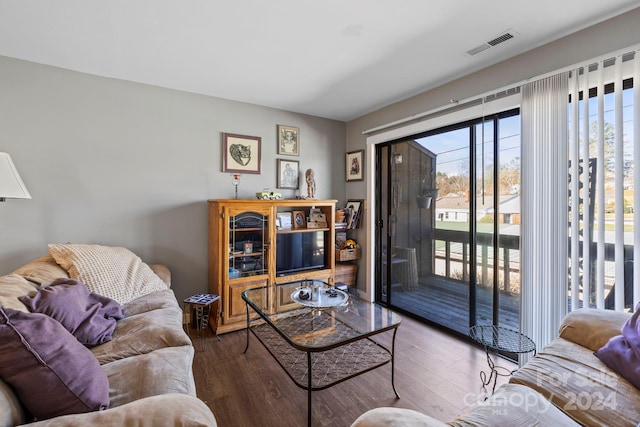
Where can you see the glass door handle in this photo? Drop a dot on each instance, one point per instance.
(391, 225)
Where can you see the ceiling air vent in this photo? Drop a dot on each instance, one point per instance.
(500, 39)
(507, 35)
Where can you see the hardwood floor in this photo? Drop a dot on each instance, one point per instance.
(435, 373)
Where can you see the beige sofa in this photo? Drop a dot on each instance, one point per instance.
(148, 362)
(565, 384)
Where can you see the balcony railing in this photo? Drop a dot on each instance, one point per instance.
(453, 248)
(456, 251)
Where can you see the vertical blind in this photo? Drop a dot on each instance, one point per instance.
(581, 139)
(544, 207)
(604, 128)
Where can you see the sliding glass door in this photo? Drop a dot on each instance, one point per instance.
(448, 223)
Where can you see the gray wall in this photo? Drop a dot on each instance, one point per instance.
(120, 163)
(608, 36)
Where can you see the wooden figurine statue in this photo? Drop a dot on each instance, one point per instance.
(311, 184)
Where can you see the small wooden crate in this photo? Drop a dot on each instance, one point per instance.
(348, 254)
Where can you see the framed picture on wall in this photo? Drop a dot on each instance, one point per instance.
(288, 140)
(241, 153)
(288, 173)
(355, 165)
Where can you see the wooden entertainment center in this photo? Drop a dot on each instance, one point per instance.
(244, 253)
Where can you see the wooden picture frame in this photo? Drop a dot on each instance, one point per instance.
(288, 140)
(241, 153)
(299, 219)
(355, 212)
(355, 165)
(288, 173)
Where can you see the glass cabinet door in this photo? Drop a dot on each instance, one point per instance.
(248, 244)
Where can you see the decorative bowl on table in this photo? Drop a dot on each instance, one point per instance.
(319, 297)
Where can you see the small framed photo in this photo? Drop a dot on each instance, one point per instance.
(355, 166)
(284, 219)
(354, 213)
(241, 153)
(288, 173)
(299, 219)
(288, 140)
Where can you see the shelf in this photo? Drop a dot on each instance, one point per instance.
(242, 255)
(301, 230)
(241, 229)
(330, 366)
(249, 273)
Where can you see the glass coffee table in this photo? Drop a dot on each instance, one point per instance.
(319, 335)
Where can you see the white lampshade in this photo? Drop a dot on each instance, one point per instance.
(11, 185)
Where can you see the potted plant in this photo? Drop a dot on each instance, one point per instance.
(425, 196)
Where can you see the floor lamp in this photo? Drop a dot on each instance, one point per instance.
(11, 185)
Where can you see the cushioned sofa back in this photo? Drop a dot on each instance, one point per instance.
(42, 271)
(581, 385)
(591, 328)
(13, 286)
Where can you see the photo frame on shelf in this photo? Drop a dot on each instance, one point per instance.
(354, 207)
(241, 153)
(355, 165)
(288, 140)
(284, 219)
(288, 173)
(299, 219)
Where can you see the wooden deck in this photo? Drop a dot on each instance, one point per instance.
(446, 302)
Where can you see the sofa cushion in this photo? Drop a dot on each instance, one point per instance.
(12, 287)
(167, 370)
(114, 272)
(395, 417)
(145, 332)
(49, 370)
(622, 352)
(513, 405)
(581, 385)
(90, 317)
(154, 301)
(162, 410)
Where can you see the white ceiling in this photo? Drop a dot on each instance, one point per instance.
(337, 59)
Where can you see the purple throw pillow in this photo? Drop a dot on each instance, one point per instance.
(49, 370)
(90, 317)
(622, 352)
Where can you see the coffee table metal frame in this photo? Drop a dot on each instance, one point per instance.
(319, 348)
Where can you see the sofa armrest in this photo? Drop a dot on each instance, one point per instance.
(395, 417)
(592, 328)
(162, 410)
(163, 272)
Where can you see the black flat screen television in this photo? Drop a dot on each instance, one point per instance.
(299, 251)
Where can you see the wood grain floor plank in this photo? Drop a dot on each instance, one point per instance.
(435, 373)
